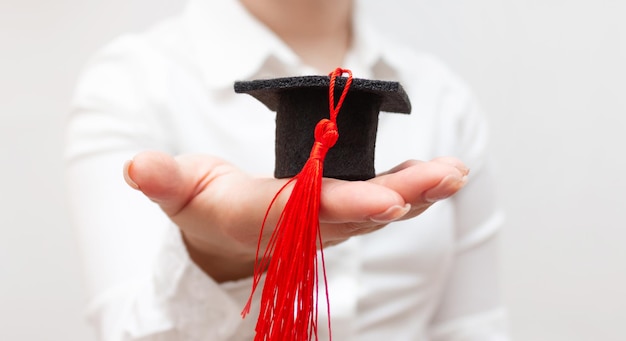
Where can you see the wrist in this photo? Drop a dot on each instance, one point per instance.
(219, 265)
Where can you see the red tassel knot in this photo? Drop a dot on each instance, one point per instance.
(326, 136)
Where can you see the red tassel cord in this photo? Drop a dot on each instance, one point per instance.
(289, 299)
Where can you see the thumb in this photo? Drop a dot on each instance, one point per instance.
(162, 179)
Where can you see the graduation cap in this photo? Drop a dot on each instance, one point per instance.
(301, 102)
(315, 136)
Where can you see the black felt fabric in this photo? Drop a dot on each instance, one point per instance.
(301, 102)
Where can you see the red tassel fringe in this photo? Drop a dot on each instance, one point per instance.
(289, 299)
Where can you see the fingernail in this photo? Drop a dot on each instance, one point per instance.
(456, 163)
(391, 214)
(446, 188)
(129, 181)
(464, 170)
(461, 167)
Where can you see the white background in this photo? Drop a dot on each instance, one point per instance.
(551, 75)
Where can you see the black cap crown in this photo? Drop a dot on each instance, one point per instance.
(301, 102)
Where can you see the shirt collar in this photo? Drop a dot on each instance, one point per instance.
(230, 44)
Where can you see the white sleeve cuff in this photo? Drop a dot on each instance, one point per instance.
(174, 301)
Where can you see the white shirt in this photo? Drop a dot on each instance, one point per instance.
(171, 89)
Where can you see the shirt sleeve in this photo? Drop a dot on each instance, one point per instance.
(141, 282)
(470, 307)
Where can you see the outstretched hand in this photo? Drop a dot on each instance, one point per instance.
(220, 208)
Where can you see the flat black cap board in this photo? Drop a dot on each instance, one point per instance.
(301, 102)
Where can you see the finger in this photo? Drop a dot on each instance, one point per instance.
(422, 183)
(359, 201)
(170, 182)
(454, 162)
(409, 187)
(403, 165)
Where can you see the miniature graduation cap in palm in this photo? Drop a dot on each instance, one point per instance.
(301, 102)
(316, 136)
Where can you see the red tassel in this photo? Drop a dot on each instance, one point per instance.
(290, 294)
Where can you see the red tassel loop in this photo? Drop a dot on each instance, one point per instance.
(289, 299)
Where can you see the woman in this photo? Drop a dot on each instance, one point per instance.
(185, 274)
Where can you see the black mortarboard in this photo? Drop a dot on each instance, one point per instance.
(301, 102)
